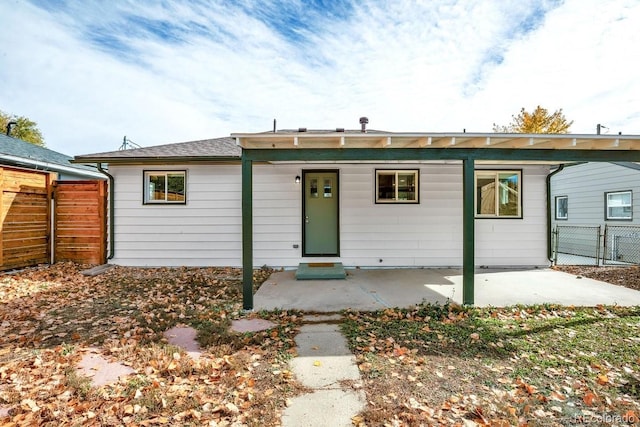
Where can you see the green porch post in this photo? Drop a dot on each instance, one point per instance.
(468, 231)
(247, 233)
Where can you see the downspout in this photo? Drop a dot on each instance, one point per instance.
(112, 227)
(549, 203)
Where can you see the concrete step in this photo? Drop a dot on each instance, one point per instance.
(321, 271)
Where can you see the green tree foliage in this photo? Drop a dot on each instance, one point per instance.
(24, 129)
(538, 121)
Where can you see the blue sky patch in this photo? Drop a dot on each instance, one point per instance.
(160, 29)
(110, 43)
(297, 20)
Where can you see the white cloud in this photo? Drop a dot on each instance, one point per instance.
(166, 73)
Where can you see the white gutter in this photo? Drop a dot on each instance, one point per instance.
(47, 166)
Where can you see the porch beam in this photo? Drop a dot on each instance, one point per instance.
(468, 232)
(247, 233)
(452, 153)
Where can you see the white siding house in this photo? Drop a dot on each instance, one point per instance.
(203, 232)
(361, 198)
(206, 230)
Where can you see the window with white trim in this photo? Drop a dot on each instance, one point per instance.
(397, 186)
(498, 194)
(165, 187)
(562, 207)
(619, 205)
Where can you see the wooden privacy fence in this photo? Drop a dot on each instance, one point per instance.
(26, 217)
(47, 221)
(80, 225)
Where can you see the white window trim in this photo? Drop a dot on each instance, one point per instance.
(606, 206)
(558, 217)
(415, 172)
(496, 173)
(146, 187)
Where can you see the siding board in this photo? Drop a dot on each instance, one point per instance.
(585, 185)
(207, 230)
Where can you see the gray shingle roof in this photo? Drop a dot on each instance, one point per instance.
(218, 148)
(28, 154)
(630, 165)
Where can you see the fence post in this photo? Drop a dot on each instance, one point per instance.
(604, 244)
(50, 181)
(2, 214)
(598, 248)
(555, 246)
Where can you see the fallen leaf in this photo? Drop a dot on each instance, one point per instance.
(30, 404)
(589, 399)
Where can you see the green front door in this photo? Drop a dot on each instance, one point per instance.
(320, 213)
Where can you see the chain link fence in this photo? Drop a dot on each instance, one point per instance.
(621, 245)
(576, 245)
(585, 245)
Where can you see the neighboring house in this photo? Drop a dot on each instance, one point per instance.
(366, 199)
(591, 195)
(597, 194)
(18, 153)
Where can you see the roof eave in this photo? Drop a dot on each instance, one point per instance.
(49, 166)
(382, 140)
(156, 159)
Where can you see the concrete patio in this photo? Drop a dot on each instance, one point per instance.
(374, 289)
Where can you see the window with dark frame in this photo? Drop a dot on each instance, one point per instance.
(562, 207)
(498, 193)
(165, 187)
(397, 186)
(619, 205)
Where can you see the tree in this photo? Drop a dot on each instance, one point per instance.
(24, 128)
(539, 121)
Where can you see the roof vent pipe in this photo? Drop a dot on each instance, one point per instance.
(9, 126)
(363, 124)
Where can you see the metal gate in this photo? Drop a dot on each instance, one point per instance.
(576, 245)
(621, 245)
(585, 245)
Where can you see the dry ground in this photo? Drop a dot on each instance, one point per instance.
(432, 365)
(525, 365)
(622, 276)
(48, 315)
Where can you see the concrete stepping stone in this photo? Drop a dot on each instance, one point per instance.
(100, 370)
(97, 270)
(4, 411)
(323, 361)
(321, 339)
(322, 318)
(323, 357)
(251, 325)
(185, 338)
(323, 408)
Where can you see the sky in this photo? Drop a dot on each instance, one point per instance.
(91, 72)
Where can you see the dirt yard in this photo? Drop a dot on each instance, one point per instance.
(623, 276)
(431, 365)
